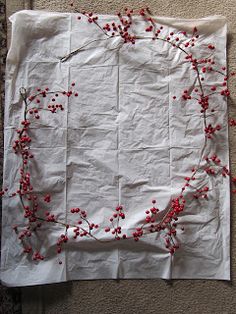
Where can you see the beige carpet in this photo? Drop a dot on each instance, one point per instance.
(144, 296)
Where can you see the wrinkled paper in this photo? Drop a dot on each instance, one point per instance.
(123, 140)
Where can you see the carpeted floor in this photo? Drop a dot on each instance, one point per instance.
(143, 296)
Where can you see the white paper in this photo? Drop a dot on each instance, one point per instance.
(123, 140)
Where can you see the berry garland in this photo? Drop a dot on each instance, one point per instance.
(154, 220)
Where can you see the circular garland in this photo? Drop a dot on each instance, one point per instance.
(155, 221)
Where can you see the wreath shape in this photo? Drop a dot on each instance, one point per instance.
(155, 220)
